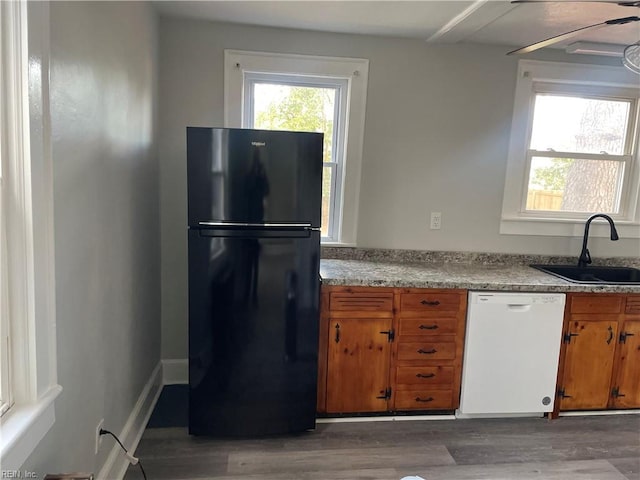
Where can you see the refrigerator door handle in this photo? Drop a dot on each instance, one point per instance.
(291, 321)
(262, 226)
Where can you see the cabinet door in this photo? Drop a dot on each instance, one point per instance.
(626, 387)
(358, 365)
(588, 364)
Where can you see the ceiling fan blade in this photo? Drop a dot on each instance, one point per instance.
(555, 39)
(631, 3)
(572, 33)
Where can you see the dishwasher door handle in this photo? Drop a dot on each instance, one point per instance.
(519, 307)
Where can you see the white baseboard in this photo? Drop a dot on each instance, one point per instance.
(470, 416)
(593, 413)
(384, 418)
(116, 464)
(175, 371)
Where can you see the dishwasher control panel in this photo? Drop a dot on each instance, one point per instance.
(517, 298)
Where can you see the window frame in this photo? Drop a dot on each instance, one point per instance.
(28, 189)
(240, 64)
(535, 77)
(6, 394)
(6, 391)
(340, 85)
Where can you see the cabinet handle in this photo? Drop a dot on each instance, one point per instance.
(428, 327)
(425, 375)
(431, 303)
(610, 329)
(337, 327)
(424, 400)
(427, 352)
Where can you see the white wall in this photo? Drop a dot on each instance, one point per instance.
(106, 217)
(436, 137)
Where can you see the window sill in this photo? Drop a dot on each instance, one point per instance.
(24, 426)
(336, 244)
(564, 227)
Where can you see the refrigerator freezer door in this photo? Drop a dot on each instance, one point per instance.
(253, 334)
(253, 176)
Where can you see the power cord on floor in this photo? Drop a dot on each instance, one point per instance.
(132, 460)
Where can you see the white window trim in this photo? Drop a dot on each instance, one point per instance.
(6, 393)
(355, 71)
(513, 220)
(30, 233)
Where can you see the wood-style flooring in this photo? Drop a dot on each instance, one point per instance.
(569, 448)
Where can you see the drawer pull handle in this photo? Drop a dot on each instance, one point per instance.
(425, 400)
(425, 375)
(431, 303)
(428, 327)
(427, 352)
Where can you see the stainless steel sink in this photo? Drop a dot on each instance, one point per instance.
(595, 275)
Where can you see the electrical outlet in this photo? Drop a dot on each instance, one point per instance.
(436, 221)
(98, 436)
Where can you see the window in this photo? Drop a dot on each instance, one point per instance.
(28, 383)
(6, 394)
(574, 148)
(307, 93)
(307, 104)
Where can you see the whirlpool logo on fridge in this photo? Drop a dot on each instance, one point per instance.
(258, 144)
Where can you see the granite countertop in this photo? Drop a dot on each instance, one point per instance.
(465, 275)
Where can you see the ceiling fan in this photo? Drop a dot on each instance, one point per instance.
(631, 54)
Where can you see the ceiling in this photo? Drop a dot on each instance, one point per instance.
(481, 21)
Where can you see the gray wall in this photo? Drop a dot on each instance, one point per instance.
(106, 215)
(436, 135)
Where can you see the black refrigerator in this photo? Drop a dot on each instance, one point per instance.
(254, 199)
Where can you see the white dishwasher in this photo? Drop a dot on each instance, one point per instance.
(511, 353)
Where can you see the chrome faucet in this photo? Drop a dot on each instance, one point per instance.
(585, 256)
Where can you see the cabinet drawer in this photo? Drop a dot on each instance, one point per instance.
(363, 301)
(428, 326)
(423, 399)
(422, 376)
(633, 305)
(429, 302)
(596, 304)
(427, 351)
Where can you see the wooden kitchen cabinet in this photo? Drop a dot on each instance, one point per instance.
(600, 355)
(390, 349)
(358, 365)
(625, 391)
(360, 323)
(590, 347)
(428, 349)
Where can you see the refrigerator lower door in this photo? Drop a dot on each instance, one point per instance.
(253, 333)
